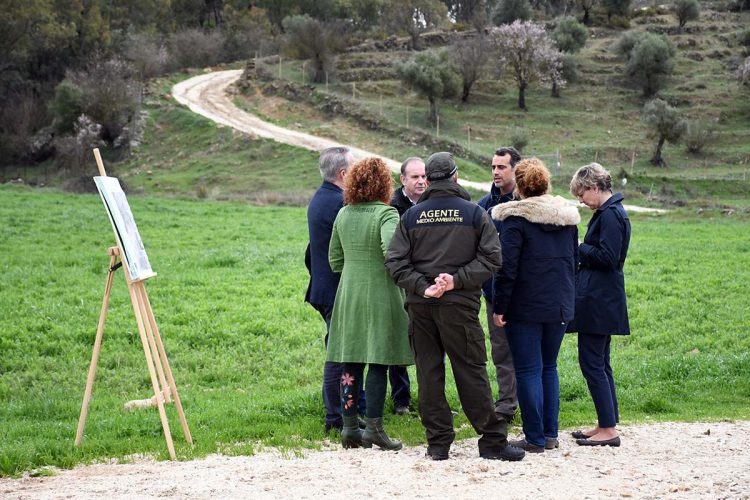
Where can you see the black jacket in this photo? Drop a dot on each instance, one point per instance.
(540, 244)
(444, 233)
(601, 307)
(488, 202)
(401, 202)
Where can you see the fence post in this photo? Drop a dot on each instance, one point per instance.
(557, 164)
(469, 139)
(326, 82)
(438, 126)
(407, 116)
(279, 67)
(354, 90)
(381, 104)
(304, 64)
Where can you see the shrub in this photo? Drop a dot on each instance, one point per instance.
(519, 139)
(570, 35)
(664, 124)
(147, 54)
(698, 135)
(508, 11)
(616, 8)
(650, 60)
(194, 48)
(743, 38)
(620, 22)
(66, 106)
(686, 10)
(73, 150)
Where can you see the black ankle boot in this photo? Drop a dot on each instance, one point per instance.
(351, 434)
(375, 434)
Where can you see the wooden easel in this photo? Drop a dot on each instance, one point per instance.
(165, 389)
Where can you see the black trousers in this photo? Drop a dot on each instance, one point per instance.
(593, 358)
(451, 329)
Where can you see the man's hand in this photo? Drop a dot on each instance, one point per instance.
(498, 319)
(434, 291)
(446, 280)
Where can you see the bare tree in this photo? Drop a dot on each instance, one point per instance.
(470, 57)
(527, 51)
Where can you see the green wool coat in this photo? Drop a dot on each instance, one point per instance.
(369, 323)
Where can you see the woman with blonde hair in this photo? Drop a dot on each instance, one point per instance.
(369, 326)
(534, 295)
(601, 309)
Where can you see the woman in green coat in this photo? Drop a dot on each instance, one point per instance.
(369, 325)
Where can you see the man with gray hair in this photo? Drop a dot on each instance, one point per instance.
(321, 291)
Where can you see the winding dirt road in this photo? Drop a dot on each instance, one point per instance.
(207, 95)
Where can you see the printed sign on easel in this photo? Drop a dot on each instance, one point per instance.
(124, 225)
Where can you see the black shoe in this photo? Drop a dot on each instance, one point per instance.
(510, 453)
(436, 454)
(579, 435)
(615, 441)
(401, 410)
(551, 443)
(526, 446)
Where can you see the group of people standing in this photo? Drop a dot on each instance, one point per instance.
(398, 278)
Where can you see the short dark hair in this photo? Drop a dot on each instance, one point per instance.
(515, 156)
(407, 161)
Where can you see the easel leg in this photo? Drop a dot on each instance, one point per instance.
(165, 361)
(135, 299)
(140, 291)
(95, 354)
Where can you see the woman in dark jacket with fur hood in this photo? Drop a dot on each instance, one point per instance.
(534, 295)
(601, 310)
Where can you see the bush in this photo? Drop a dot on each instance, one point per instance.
(571, 69)
(508, 11)
(616, 8)
(66, 106)
(620, 22)
(195, 48)
(316, 41)
(519, 139)
(73, 151)
(650, 59)
(686, 10)
(570, 35)
(147, 54)
(698, 135)
(21, 114)
(743, 38)
(111, 95)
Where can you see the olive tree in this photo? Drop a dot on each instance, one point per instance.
(570, 35)
(414, 17)
(586, 6)
(527, 52)
(686, 10)
(430, 74)
(308, 38)
(665, 124)
(649, 60)
(507, 11)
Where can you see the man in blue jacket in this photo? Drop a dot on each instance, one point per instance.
(503, 184)
(321, 291)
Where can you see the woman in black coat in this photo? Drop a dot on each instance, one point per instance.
(601, 310)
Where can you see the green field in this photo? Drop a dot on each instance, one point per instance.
(247, 352)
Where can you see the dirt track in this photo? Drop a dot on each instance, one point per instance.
(699, 460)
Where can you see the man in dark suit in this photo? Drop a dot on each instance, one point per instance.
(321, 292)
(413, 184)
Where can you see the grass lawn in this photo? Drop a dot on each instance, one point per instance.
(247, 352)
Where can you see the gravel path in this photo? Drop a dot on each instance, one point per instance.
(666, 460)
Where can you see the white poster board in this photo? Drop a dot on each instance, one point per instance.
(124, 226)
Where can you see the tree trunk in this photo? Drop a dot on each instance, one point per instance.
(522, 96)
(586, 18)
(433, 110)
(555, 90)
(465, 93)
(657, 159)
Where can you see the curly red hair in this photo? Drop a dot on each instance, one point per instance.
(368, 180)
(532, 177)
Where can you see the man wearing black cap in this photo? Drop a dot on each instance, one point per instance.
(443, 250)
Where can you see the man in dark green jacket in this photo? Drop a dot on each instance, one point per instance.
(443, 250)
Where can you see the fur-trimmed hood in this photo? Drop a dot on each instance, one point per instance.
(545, 209)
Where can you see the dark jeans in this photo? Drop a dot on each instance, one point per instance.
(451, 329)
(332, 379)
(507, 401)
(535, 347)
(400, 385)
(593, 357)
(351, 387)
